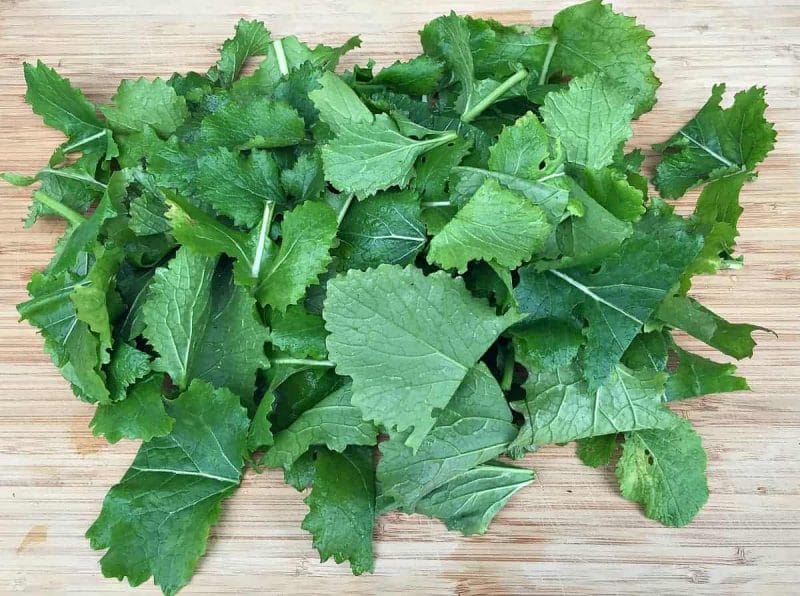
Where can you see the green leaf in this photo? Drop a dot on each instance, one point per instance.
(665, 471)
(551, 196)
(156, 521)
(299, 333)
(591, 118)
(385, 228)
(591, 234)
(305, 180)
(417, 76)
(206, 236)
(469, 502)
(258, 124)
(696, 376)
(546, 344)
(591, 38)
(597, 451)
(238, 187)
(308, 232)
(497, 49)
(127, 365)
(143, 103)
(733, 339)
(251, 39)
(147, 215)
(497, 225)
(176, 313)
(716, 215)
(524, 150)
(367, 157)
(17, 179)
(232, 349)
(409, 353)
(434, 168)
(301, 475)
(333, 422)
(61, 105)
(338, 105)
(473, 428)
(715, 143)
(560, 407)
(259, 435)
(342, 507)
(612, 190)
(203, 326)
(141, 415)
(621, 295)
(649, 350)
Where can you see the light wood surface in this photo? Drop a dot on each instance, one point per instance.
(571, 531)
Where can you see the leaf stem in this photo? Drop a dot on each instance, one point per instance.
(436, 204)
(344, 209)
(551, 48)
(281, 56)
(508, 369)
(61, 209)
(304, 362)
(266, 220)
(479, 107)
(67, 174)
(77, 144)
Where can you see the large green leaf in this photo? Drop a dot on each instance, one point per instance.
(473, 428)
(342, 507)
(407, 340)
(156, 521)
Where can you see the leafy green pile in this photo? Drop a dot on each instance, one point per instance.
(450, 261)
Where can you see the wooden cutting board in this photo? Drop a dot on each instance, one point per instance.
(570, 532)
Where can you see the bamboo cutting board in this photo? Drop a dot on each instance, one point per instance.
(570, 532)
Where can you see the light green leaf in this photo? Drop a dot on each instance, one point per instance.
(560, 407)
(665, 471)
(143, 103)
(611, 189)
(473, 428)
(367, 157)
(407, 340)
(333, 422)
(338, 105)
(591, 118)
(470, 501)
(342, 507)
(308, 233)
(176, 313)
(156, 521)
(525, 150)
(141, 415)
(497, 225)
(591, 38)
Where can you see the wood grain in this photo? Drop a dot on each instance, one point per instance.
(569, 533)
